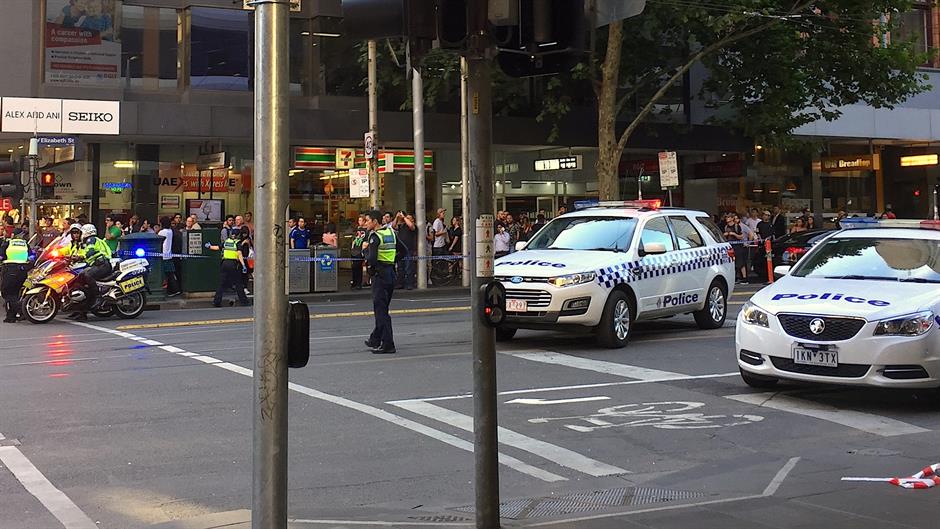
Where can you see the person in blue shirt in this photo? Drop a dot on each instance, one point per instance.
(300, 236)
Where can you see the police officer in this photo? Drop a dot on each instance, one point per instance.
(381, 253)
(233, 266)
(15, 254)
(96, 253)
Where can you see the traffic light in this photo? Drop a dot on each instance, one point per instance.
(10, 184)
(493, 303)
(298, 334)
(452, 23)
(47, 185)
(550, 38)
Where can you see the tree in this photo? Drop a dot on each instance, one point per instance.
(772, 65)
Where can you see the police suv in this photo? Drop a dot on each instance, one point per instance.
(861, 307)
(608, 264)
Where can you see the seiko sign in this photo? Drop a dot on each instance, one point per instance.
(59, 116)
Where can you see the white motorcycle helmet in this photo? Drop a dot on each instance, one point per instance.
(88, 231)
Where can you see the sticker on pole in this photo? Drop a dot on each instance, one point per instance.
(668, 170)
(484, 246)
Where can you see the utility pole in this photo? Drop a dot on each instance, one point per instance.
(464, 175)
(417, 114)
(480, 135)
(373, 164)
(269, 440)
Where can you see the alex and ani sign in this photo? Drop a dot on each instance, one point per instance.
(59, 116)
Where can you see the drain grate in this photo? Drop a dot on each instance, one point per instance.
(646, 496)
(440, 518)
(586, 501)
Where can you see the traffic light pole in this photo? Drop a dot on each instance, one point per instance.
(417, 114)
(464, 175)
(373, 164)
(479, 128)
(269, 440)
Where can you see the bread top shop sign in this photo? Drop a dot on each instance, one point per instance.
(59, 116)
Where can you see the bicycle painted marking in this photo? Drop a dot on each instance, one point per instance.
(672, 415)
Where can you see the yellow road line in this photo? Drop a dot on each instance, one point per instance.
(230, 321)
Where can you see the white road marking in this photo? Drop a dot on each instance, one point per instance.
(866, 422)
(598, 366)
(568, 388)
(543, 402)
(380, 523)
(378, 413)
(782, 474)
(58, 504)
(553, 453)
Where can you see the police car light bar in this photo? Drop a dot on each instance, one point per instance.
(869, 222)
(633, 204)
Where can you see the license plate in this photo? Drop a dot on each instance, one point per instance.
(132, 284)
(517, 305)
(815, 357)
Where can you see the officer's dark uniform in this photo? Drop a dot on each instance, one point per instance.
(231, 273)
(15, 253)
(383, 251)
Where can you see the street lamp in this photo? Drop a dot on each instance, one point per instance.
(32, 157)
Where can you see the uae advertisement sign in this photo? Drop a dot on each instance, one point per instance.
(82, 46)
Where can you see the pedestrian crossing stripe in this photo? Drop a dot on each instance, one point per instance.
(653, 266)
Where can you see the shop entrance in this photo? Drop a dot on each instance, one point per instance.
(59, 210)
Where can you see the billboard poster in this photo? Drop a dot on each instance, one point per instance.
(82, 46)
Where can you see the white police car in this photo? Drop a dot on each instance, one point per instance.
(860, 308)
(612, 263)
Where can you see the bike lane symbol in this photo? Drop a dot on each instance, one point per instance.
(672, 415)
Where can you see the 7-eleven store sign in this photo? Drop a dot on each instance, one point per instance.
(324, 158)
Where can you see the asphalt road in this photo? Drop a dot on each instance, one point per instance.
(118, 424)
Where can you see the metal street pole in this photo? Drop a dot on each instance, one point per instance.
(269, 441)
(417, 103)
(373, 164)
(480, 134)
(464, 174)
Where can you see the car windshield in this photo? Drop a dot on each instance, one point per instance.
(903, 260)
(612, 234)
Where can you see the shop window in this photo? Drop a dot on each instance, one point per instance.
(221, 44)
(657, 230)
(913, 25)
(686, 234)
(148, 46)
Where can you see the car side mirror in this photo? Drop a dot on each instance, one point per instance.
(520, 245)
(652, 248)
(781, 270)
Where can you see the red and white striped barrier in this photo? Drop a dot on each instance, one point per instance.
(924, 479)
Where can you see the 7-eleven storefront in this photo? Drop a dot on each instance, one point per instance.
(319, 182)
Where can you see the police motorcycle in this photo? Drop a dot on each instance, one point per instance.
(51, 286)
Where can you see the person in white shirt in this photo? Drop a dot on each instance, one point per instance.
(502, 241)
(169, 267)
(753, 220)
(440, 233)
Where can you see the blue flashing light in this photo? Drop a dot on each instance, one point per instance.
(140, 252)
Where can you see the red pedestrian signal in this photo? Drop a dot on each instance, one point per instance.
(47, 179)
(46, 186)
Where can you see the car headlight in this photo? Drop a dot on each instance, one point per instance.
(753, 315)
(913, 325)
(573, 279)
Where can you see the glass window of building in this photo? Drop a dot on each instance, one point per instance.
(913, 25)
(148, 47)
(221, 44)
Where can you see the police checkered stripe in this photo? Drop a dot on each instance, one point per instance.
(653, 266)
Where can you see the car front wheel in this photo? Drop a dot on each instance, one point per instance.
(617, 321)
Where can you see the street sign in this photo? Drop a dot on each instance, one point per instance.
(369, 142)
(358, 183)
(645, 178)
(57, 141)
(668, 170)
(484, 246)
(6, 204)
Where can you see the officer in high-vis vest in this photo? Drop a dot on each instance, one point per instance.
(233, 266)
(382, 252)
(16, 264)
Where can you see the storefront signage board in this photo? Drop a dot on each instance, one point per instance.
(567, 163)
(345, 158)
(209, 162)
(727, 169)
(169, 202)
(668, 170)
(862, 162)
(56, 116)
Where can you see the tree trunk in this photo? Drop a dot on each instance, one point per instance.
(608, 153)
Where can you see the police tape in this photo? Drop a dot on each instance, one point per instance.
(925, 479)
(320, 259)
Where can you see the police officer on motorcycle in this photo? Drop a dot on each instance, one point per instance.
(15, 254)
(96, 254)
